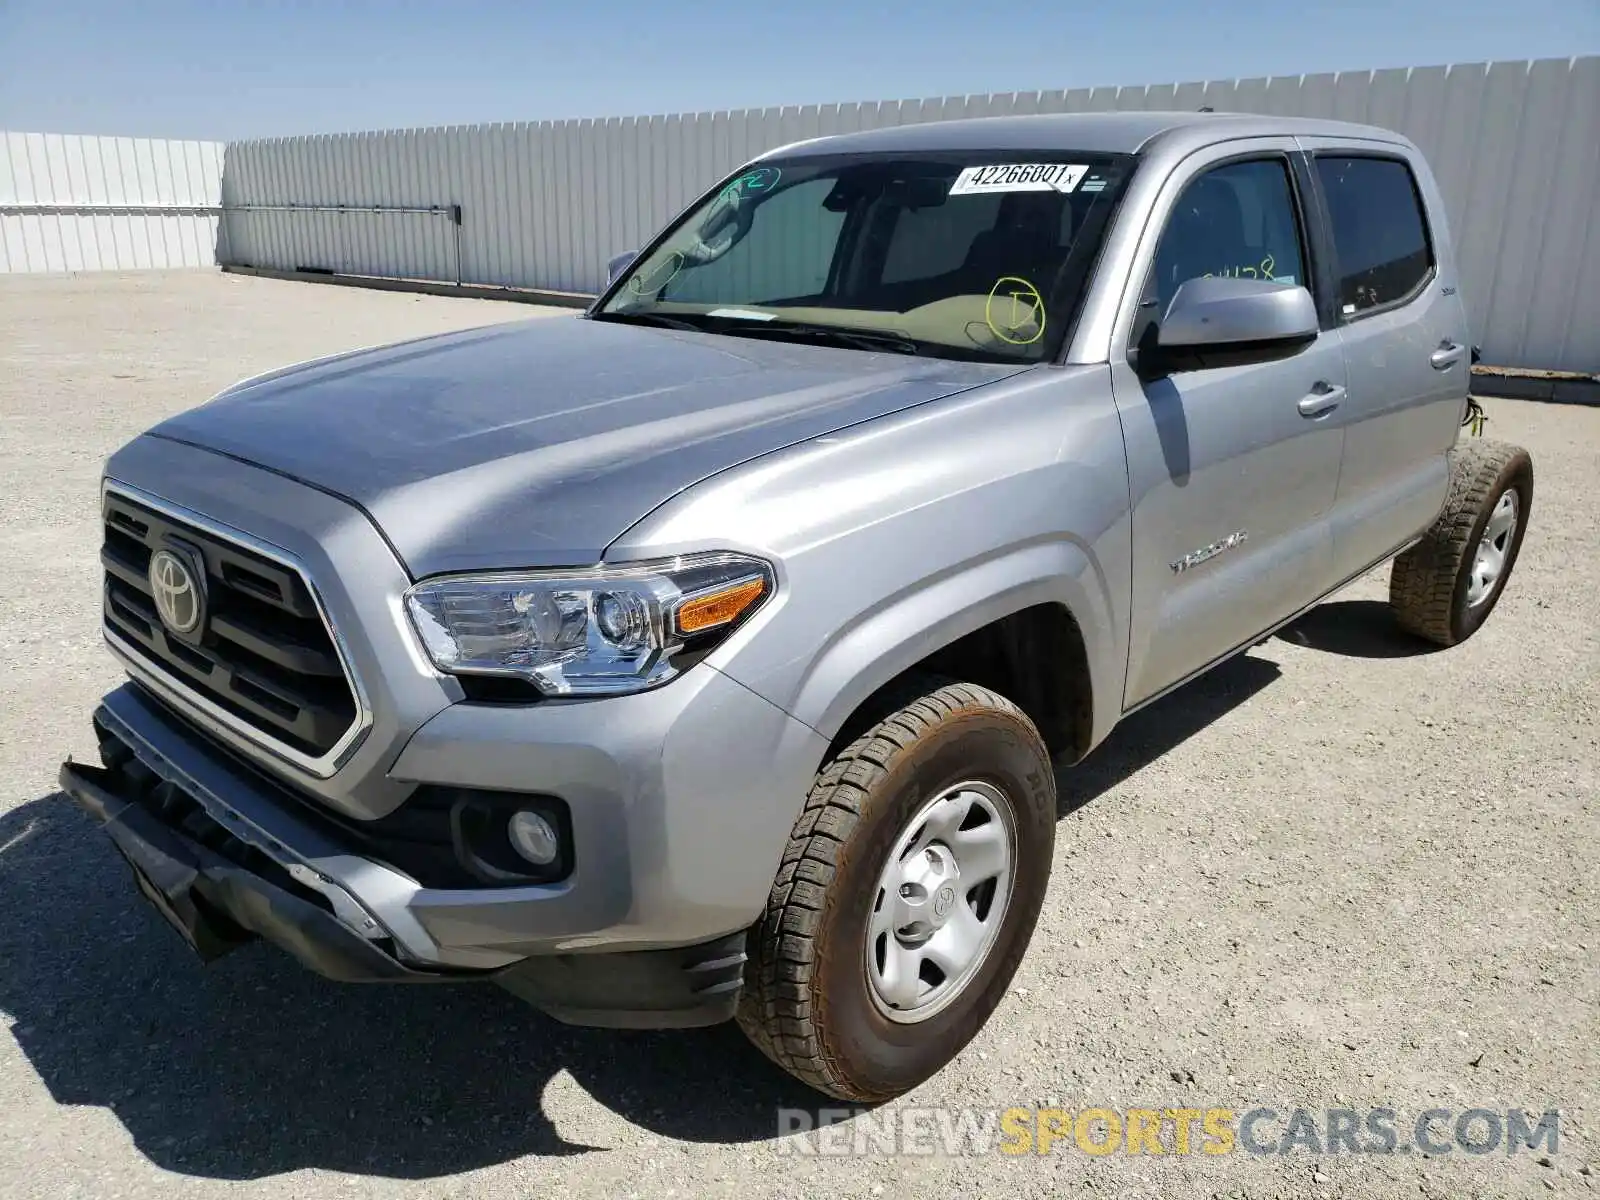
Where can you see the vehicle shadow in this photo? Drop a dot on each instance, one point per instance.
(1356, 629)
(254, 1067)
(1142, 738)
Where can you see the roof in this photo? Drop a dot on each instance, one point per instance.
(1098, 132)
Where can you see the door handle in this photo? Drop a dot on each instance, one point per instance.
(1323, 399)
(1446, 356)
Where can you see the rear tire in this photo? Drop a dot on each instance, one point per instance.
(1445, 587)
(956, 775)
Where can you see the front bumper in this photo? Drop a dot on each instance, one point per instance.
(218, 904)
(221, 881)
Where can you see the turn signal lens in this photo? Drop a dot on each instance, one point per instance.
(718, 608)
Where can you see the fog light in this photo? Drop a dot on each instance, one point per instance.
(534, 837)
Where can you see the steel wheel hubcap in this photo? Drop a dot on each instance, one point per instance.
(1489, 559)
(941, 901)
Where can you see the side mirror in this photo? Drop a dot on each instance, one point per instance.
(618, 265)
(1221, 320)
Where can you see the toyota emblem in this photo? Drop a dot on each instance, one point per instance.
(176, 591)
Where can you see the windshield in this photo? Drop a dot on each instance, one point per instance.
(959, 255)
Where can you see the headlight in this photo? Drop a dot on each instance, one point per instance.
(596, 631)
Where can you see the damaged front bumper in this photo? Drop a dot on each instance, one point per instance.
(224, 866)
(218, 904)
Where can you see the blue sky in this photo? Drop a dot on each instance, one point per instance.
(251, 68)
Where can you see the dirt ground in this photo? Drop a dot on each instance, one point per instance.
(1338, 873)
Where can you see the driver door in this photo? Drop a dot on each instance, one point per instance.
(1232, 469)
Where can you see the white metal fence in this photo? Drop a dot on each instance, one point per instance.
(1516, 146)
(70, 203)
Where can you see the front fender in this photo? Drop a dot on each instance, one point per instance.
(896, 537)
(894, 636)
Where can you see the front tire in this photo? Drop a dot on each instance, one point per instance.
(1445, 587)
(906, 896)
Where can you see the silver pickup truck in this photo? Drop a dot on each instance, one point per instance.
(712, 655)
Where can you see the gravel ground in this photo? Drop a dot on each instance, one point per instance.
(1338, 872)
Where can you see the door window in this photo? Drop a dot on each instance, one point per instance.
(1237, 220)
(1379, 233)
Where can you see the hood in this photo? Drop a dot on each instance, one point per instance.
(539, 442)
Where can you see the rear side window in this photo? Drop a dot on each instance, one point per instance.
(1379, 232)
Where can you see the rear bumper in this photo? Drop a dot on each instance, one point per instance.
(212, 853)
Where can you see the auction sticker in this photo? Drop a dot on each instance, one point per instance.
(1018, 177)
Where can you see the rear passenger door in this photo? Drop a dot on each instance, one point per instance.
(1407, 347)
(1232, 469)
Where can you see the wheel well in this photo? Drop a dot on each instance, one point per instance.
(1034, 657)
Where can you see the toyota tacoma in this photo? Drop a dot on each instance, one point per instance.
(712, 655)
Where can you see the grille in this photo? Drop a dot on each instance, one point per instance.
(263, 652)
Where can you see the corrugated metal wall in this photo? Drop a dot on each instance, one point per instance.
(70, 203)
(1516, 146)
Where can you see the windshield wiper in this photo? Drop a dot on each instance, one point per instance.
(858, 339)
(653, 318)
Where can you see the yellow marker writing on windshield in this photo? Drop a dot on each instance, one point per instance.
(1019, 306)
